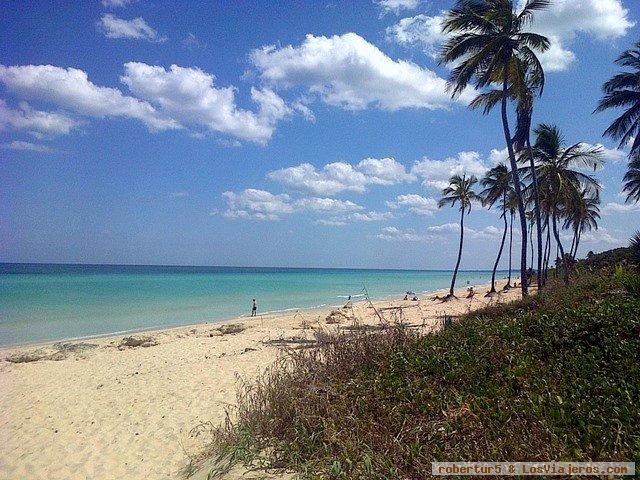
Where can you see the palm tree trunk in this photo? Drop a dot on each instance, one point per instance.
(565, 267)
(573, 243)
(547, 250)
(575, 254)
(508, 285)
(516, 185)
(495, 265)
(531, 241)
(455, 272)
(536, 208)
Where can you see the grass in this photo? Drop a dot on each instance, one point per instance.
(552, 377)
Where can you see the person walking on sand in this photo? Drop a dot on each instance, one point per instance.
(254, 308)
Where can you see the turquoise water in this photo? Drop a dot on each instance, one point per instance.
(51, 302)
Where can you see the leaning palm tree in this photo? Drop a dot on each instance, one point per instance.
(490, 47)
(632, 180)
(581, 214)
(460, 191)
(555, 169)
(497, 183)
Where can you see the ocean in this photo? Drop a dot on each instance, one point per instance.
(46, 302)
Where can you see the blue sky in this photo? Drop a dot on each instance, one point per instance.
(270, 133)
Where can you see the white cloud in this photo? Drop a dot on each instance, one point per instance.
(349, 72)
(436, 173)
(33, 147)
(137, 28)
(117, 3)
(339, 176)
(612, 155)
(370, 216)
(423, 31)
(257, 204)
(497, 156)
(396, 6)
(190, 96)
(561, 22)
(614, 207)
(330, 205)
(487, 233)
(384, 171)
(71, 89)
(36, 122)
(415, 203)
(394, 234)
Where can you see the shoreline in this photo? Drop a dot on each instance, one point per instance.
(158, 328)
(102, 408)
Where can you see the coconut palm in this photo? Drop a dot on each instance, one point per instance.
(489, 46)
(581, 214)
(632, 180)
(459, 192)
(511, 206)
(497, 183)
(623, 91)
(555, 168)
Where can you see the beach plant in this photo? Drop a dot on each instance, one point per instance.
(623, 91)
(459, 192)
(497, 187)
(557, 169)
(561, 370)
(489, 45)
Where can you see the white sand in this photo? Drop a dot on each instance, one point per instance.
(110, 413)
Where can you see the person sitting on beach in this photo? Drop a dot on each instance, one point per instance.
(406, 297)
(254, 309)
(471, 293)
(415, 298)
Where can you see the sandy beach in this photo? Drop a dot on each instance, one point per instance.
(109, 408)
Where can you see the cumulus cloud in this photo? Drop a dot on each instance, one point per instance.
(137, 28)
(615, 207)
(32, 147)
(71, 89)
(351, 73)
(257, 204)
(423, 31)
(437, 233)
(561, 22)
(190, 96)
(163, 99)
(436, 173)
(396, 6)
(395, 234)
(340, 176)
(330, 205)
(415, 203)
(263, 205)
(37, 123)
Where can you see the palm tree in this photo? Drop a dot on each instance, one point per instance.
(582, 214)
(555, 170)
(511, 206)
(490, 47)
(632, 180)
(623, 90)
(497, 183)
(460, 191)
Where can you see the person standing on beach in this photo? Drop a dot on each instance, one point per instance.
(254, 308)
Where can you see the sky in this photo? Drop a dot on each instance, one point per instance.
(301, 134)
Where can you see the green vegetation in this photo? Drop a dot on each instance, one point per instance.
(555, 376)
